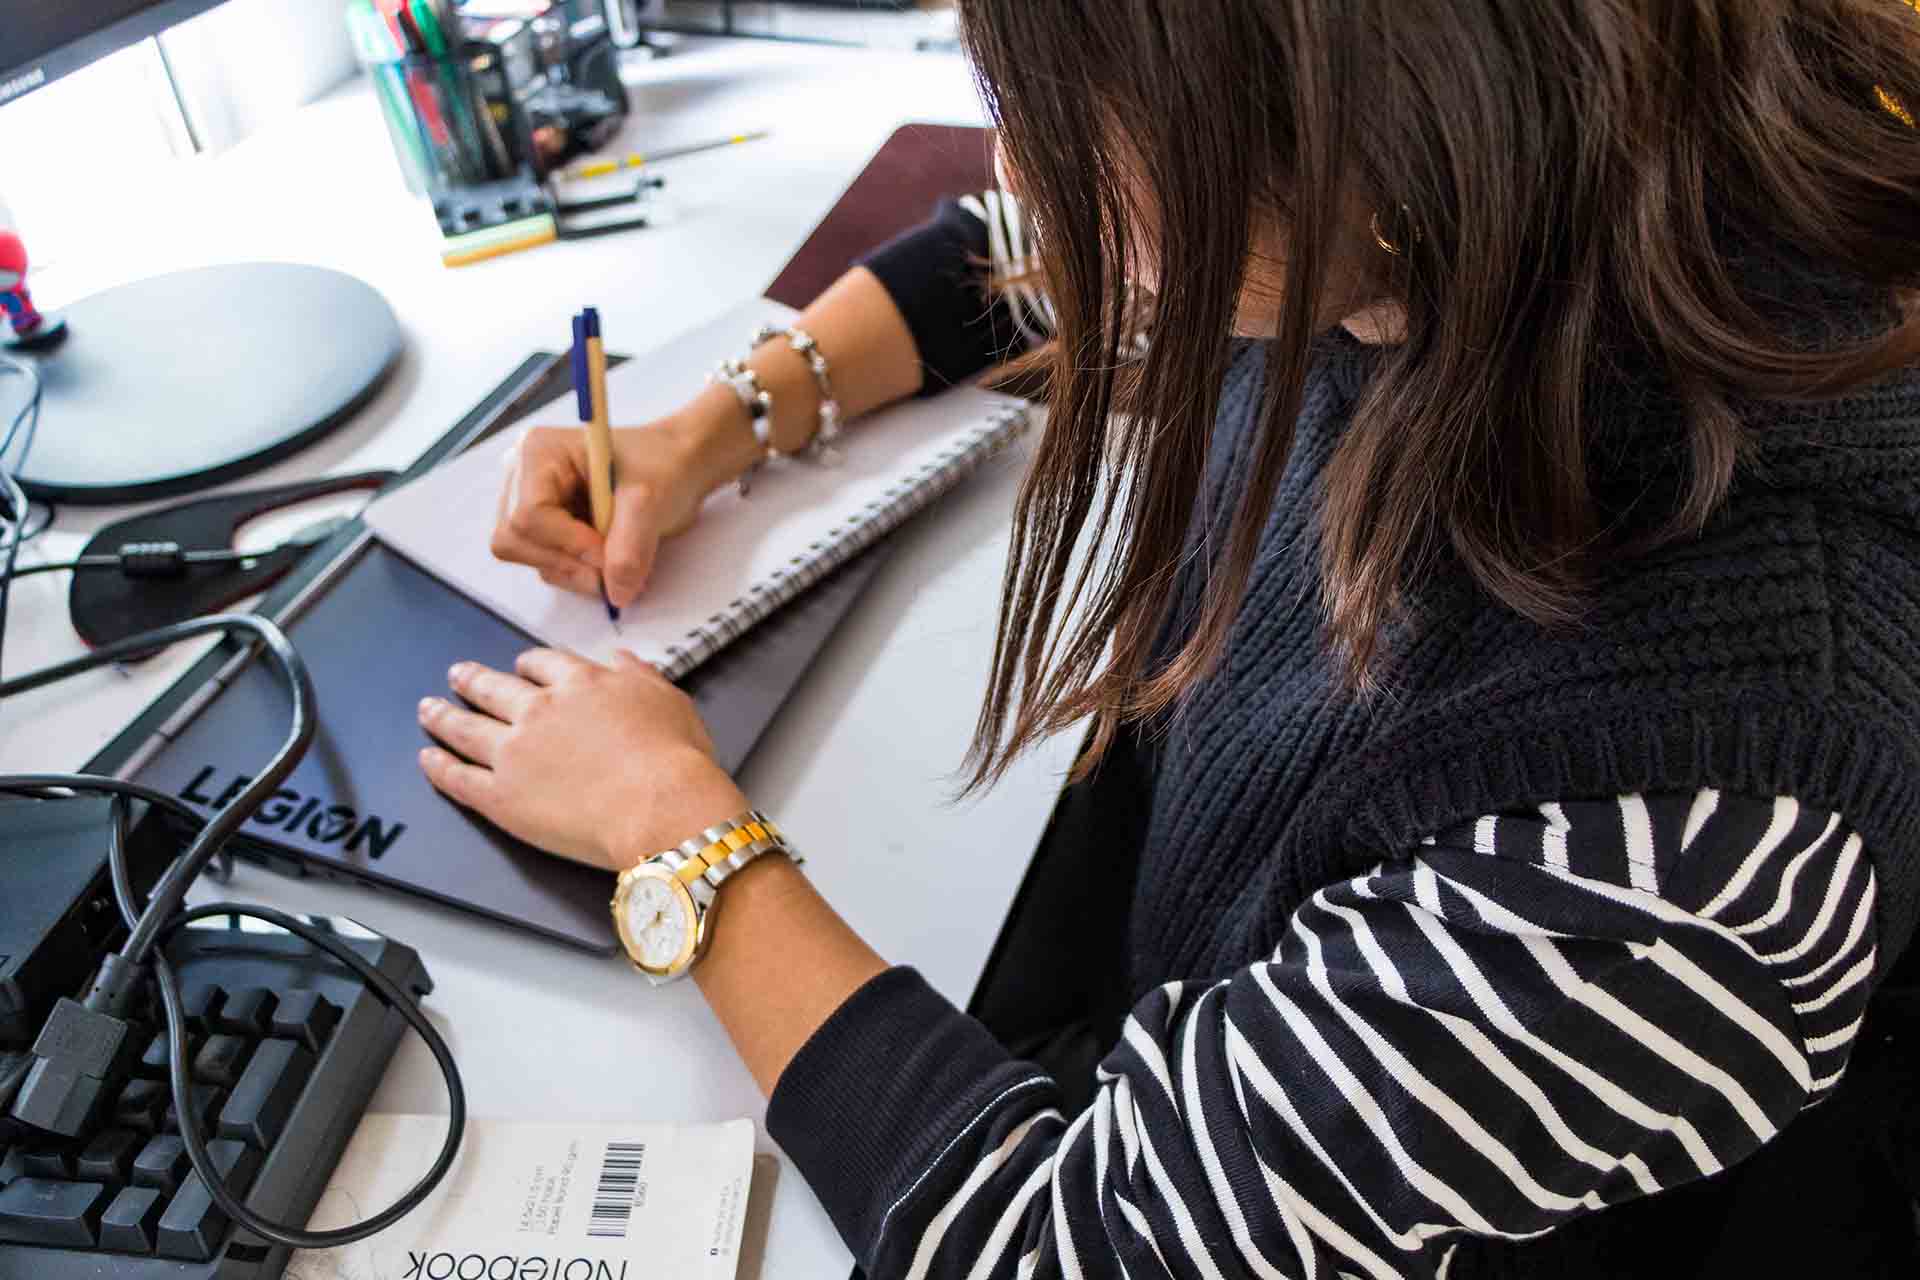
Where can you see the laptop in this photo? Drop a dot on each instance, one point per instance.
(357, 806)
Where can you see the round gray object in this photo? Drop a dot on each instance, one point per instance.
(186, 380)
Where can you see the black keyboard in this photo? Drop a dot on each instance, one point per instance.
(286, 1048)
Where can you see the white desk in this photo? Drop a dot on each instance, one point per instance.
(860, 763)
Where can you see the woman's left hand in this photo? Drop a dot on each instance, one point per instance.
(603, 765)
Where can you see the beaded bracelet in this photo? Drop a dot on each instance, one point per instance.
(755, 399)
(823, 446)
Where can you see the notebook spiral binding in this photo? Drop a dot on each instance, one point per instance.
(849, 538)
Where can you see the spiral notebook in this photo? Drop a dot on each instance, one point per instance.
(744, 557)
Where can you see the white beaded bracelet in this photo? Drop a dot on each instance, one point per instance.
(758, 402)
(823, 446)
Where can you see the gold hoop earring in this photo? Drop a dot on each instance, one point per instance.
(1380, 237)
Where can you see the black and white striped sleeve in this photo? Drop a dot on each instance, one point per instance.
(1529, 1018)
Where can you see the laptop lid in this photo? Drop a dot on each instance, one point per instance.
(357, 806)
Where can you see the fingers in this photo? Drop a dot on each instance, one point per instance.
(555, 569)
(632, 540)
(474, 736)
(500, 695)
(463, 783)
(555, 529)
(549, 666)
(571, 576)
(535, 522)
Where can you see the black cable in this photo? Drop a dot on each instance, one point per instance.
(17, 504)
(149, 926)
(38, 784)
(172, 889)
(30, 529)
(178, 1078)
(178, 1038)
(165, 559)
(24, 369)
(119, 561)
(117, 868)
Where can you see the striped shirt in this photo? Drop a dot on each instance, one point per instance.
(1528, 1018)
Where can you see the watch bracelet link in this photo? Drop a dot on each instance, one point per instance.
(704, 862)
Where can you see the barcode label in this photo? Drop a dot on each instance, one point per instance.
(618, 1188)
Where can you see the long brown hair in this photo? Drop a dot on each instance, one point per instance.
(1556, 179)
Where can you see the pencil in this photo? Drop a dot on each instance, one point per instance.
(599, 441)
(638, 159)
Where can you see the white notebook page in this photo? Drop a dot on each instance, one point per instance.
(443, 521)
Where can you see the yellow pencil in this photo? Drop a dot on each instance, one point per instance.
(637, 159)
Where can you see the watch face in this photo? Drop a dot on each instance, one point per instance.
(659, 923)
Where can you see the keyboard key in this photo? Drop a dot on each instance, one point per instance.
(203, 1105)
(132, 1220)
(306, 1016)
(161, 1163)
(48, 1160)
(237, 1163)
(193, 1225)
(220, 1060)
(109, 1157)
(248, 1012)
(142, 1104)
(203, 1006)
(153, 1063)
(266, 1093)
(41, 1211)
(13, 1164)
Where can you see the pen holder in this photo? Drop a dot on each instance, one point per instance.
(446, 129)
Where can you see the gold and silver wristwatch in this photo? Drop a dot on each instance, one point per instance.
(663, 908)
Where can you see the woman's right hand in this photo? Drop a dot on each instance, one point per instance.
(663, 472)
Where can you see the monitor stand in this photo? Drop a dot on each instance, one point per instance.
(187, 380)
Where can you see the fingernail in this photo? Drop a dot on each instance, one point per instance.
(426, 755)
(427, 707)
(457, 672)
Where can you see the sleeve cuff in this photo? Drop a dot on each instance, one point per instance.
(881, 1091)
(936, 276)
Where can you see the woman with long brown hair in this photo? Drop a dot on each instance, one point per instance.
(1498, 432)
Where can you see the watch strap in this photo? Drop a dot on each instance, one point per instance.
(704, 862)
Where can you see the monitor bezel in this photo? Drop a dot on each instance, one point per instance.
(18, 79)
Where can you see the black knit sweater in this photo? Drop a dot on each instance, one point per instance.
(1775, 654)
(1559, 921)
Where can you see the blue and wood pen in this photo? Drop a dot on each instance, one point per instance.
(590, 391)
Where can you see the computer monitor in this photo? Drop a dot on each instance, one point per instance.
(42, 40)
(141, 390)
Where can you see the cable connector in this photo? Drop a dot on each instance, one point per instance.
(153, 559)
(80, 1057)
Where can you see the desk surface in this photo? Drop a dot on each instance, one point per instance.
(859, 765)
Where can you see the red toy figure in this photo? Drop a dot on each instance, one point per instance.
(29, 327)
